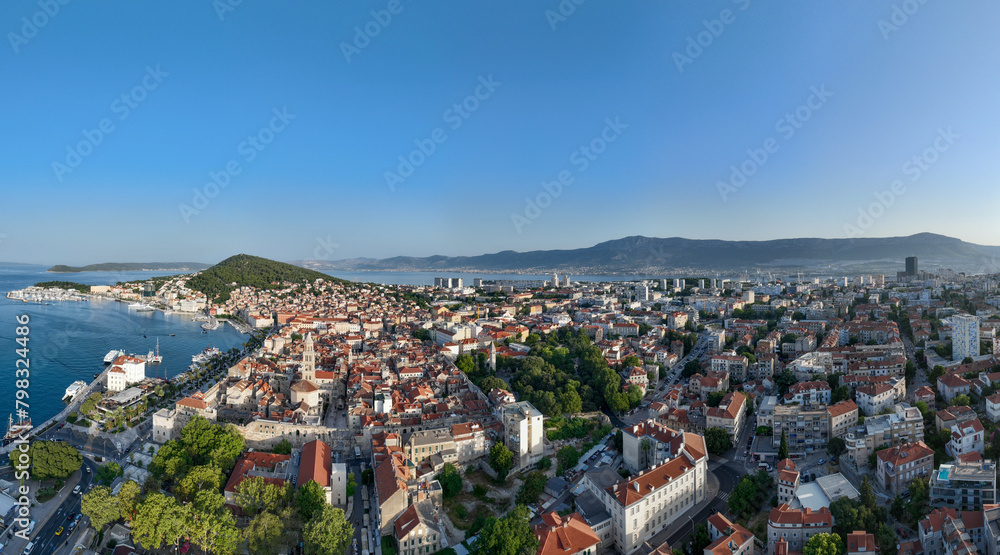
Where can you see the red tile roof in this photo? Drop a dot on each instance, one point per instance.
(559, 535)
(315, 464)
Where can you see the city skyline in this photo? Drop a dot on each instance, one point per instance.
(398, 129)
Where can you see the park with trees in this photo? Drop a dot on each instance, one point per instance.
(194, 469)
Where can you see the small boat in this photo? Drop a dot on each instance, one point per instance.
(155, 358)
(173, 334)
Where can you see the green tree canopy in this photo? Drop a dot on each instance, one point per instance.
(310, 499)
(783, 447)
(328, 532)
(203, 477)
(509, 535)
(718, 440)
(531, 489)
(501, 460)
(129, 496)
(100, 506)
(823, 544)
(255, 495)
(451, 481)
(53, 459)
(160, 520)
(264, 534)
(836, 447)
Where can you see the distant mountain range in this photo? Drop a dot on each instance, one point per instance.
(131, 267)
(650, 255)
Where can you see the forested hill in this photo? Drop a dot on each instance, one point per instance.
(246, 270)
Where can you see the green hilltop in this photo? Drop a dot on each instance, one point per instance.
(242, 270)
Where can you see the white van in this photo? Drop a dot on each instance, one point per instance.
(764, 466)
(28, 548)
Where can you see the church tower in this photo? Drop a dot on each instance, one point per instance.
(308, 367)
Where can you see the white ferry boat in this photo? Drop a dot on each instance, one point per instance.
(112, 355)
(74, 389)
(141, 307)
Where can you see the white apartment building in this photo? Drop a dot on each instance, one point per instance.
(125, 371)
(523, 429)
(964, 336)
(874, 398)
(734, 364)
(967, 437)
(470, 441)
(647, 503)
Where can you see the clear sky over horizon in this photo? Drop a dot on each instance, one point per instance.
(190, 131)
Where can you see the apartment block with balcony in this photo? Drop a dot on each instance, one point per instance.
(965, 486)
(807, 428)
(843, 415)
(904, 425)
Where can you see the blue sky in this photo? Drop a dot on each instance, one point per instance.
(197, 85)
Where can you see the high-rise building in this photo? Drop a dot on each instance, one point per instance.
(911, 265)
(567, 282)
(642, 292)
(964, 336)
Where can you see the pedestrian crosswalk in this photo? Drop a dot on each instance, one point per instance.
(724, 495)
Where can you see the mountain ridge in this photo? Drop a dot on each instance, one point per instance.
(641, 254)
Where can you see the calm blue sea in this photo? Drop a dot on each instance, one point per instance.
(68, 340)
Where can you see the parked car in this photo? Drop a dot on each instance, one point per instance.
(901, 532)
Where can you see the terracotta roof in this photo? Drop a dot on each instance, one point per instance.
(193, 403)
(842, 408)
(559, 535)
(906, 453)
(315, 463)
(784, 514)
(407, 521)
(860, 541)
(634, 489)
